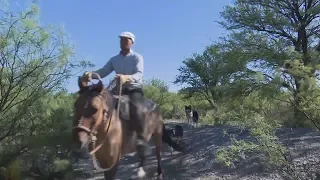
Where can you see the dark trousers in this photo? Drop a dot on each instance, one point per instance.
(137, 117)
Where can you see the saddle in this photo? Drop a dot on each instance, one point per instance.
(124, 112)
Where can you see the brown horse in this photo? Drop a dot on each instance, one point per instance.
(97, 122)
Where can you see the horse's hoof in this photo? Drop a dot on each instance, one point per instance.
(141, 173)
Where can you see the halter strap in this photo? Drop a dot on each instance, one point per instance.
(93, 132)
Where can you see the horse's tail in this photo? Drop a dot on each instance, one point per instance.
(167, 139)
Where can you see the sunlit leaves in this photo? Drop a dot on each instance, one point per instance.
(44, 37)
(29, 24)
(3, 42)
(65, 52)
(157, 90)
(171, 104)
(277, 40)
(35, 62)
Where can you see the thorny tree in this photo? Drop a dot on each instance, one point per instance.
(34, 61)
(282, 37)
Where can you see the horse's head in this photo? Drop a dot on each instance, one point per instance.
(91, 109)
(187, 108)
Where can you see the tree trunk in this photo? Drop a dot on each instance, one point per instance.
(300, 46)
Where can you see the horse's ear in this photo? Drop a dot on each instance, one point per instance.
(79, 82)
(82, 83)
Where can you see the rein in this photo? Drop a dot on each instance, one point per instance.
(93, 132)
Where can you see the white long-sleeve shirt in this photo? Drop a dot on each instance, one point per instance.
(132, 64)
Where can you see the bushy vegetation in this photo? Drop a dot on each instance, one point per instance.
(35, 110)
(262, 76)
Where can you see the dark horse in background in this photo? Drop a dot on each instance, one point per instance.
(195, 118)
(99, 127)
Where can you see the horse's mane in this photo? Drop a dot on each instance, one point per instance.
(105, 93)
(109, 97)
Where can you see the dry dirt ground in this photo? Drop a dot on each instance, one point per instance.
(198, 163)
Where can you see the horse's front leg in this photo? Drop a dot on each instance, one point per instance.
(188, 121)
(157, 137)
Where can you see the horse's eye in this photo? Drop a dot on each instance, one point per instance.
(90, 112)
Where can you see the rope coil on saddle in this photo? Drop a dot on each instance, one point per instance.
(93, 136)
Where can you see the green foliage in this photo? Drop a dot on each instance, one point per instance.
(157, 91)
(207, 74)
(256, 114)
(228, 156)
(36, 61)
(279, 86)
(262, 76)
(61, 165)
(171, 104)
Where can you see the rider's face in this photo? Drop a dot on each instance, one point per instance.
(125, 43)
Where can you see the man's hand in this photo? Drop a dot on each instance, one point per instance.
(123, 78)
(87, 76)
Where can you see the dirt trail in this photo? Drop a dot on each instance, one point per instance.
(198, 162)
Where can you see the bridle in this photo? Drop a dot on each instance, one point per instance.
(107, 117)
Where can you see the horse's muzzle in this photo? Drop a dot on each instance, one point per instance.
(80, 141)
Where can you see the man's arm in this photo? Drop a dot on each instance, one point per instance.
(137, 76)
(104, 71)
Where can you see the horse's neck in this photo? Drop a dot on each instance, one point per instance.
(108, 126)
(110, 132)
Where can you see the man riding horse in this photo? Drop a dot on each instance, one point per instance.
(128, 66)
